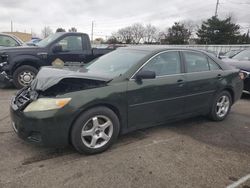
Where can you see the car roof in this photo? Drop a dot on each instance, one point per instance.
(159, 48)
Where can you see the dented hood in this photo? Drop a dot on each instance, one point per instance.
(50, 76)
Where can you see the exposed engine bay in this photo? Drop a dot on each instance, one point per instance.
(51, 82)
(67, 85)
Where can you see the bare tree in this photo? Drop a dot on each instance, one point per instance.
(150, 33)
(115, 38)
(73, 29)
(126, 34)
(161, 37)
(137, 33)
(137, 30)
(192, 27)
(46, 31)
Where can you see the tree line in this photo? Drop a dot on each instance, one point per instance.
(211, 31)
(46, 31)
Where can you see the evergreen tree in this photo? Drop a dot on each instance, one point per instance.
(178, 34)
(216, 31)
(60, 30)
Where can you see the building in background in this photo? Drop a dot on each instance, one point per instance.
(25, 37)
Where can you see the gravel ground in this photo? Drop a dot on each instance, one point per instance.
(190, 153)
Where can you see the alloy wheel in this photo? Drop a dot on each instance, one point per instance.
(222, 106)
(97, 131)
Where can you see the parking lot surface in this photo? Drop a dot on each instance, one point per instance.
(189, 153)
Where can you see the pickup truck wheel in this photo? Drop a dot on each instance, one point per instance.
(95, 130)
(24, 75)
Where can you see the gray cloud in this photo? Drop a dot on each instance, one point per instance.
(111, 15)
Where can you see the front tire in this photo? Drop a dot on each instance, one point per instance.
(24, 75)
(95, 130)
(221, 106)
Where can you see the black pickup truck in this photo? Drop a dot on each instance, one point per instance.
(21, 64)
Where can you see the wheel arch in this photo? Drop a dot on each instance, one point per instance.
(30, 62)
(107, 105)
(231, 91)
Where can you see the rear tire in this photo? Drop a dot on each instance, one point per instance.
(95, 130)
(24, 75)
(221, 106)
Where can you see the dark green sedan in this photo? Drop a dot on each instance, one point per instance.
(127, 89)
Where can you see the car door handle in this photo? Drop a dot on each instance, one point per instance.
(180, 82)
(219, 76)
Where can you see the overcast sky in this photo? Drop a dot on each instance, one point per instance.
(110, 15)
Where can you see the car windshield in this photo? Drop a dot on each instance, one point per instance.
(243, 55)
(116, 63)
(46, 41)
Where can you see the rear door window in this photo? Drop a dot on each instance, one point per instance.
(195, 62)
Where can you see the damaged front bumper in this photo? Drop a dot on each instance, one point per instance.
(41, 128)
(46, 128)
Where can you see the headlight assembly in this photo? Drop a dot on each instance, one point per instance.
(44, 104)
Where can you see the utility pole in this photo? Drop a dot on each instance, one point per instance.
(216, 8)
(92, 31)
(45, 31)
(11, 26)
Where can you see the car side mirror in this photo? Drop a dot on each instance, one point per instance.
(57, 48)
(146, 74)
